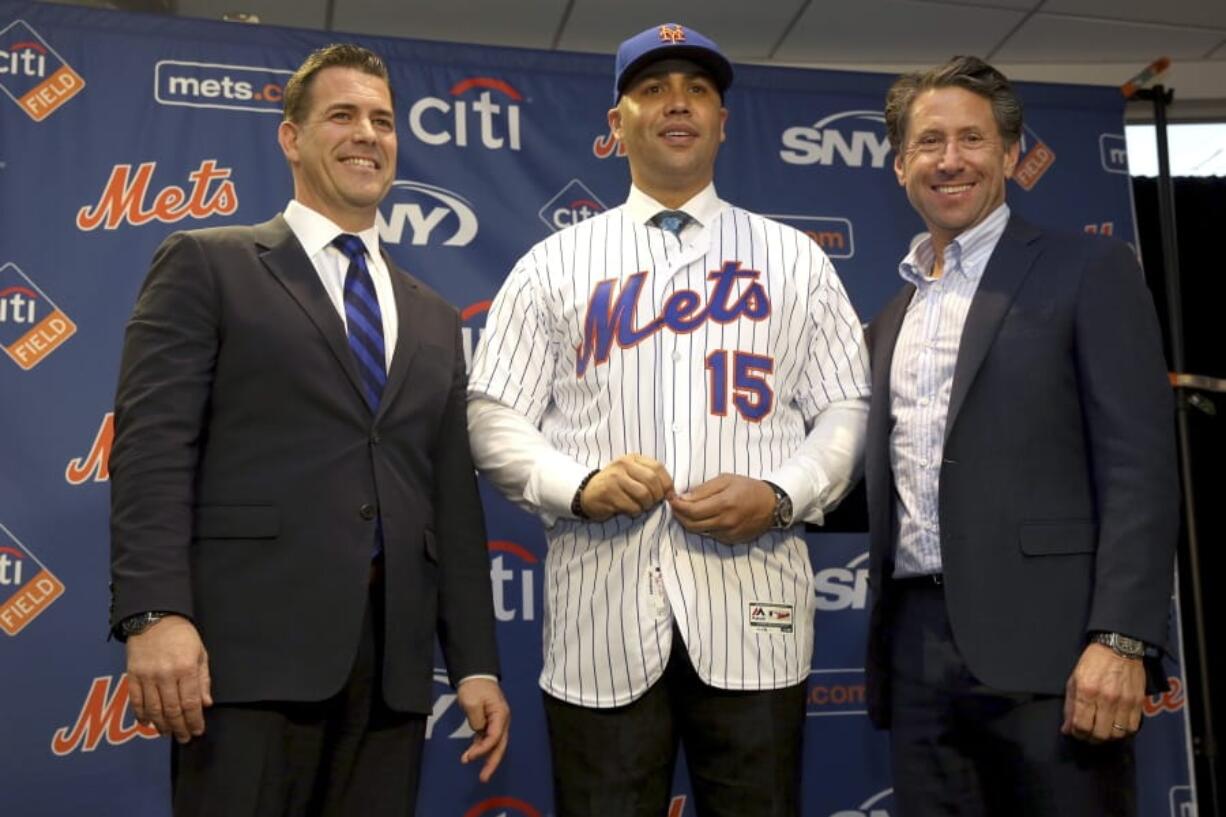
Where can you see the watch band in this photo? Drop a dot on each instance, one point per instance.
(576, 502)
(782, 516)
(1123, 646)
(138, 623)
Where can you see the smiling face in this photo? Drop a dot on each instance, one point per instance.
(954, 162)
(670, 119)
(343, 152)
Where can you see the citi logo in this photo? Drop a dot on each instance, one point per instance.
(875, 806)
(503, 807)
(213, 85)
(843, 588)
(27, 59)
(31, 325)
(32, 74)
(850, 138)
(492, 121)
(12, 561)
(27, 587)
(433, 215)
(103, 717)
(514, 589)
(572, 204)
(470, 333)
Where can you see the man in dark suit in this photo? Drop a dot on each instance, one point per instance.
(292, 490)
(1021, 483)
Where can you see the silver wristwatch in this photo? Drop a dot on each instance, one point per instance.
(1124, 646)
(782, 517)
(137, 624)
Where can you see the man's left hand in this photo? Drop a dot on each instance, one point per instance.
(489, 715)
(1103, 697)
(730, 508)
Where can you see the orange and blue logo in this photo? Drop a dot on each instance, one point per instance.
(31, 325)
(27, 587)
(672, 33)
(32, 74)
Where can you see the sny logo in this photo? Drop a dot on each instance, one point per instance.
(95, 464)
(437, 121)
(829, 141)
(33, 74)
(573, 203)
(505, 581)
(834, 235)
(101, 718)
(843, 588)
(228, 87)
(423, 208)
(27, 587)
(31, 325)
(123, 198)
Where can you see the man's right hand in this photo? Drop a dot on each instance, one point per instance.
(632, 484)
(168, 678)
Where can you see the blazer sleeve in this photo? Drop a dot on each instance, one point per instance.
(1128, 409)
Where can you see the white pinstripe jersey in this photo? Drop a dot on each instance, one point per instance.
(613, 337)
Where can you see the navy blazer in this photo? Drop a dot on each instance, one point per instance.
(1058, 500)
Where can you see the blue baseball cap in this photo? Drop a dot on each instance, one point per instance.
(669, 41)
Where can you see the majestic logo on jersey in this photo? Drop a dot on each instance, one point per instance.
(875, 806)
(768, 617)
(437, 121)
(27, 587)
(836, 692)
(1036, 159)
(573, 203)
(124, 197)
(514, 590)
(94, 466)
(31, 325)
(843, 588)
(210, 85)
(33, 74)
(1113, 150)
(672, 34)
(849, 138)
(434, 215)
(610, 319)
(834, 235)
(102, 717)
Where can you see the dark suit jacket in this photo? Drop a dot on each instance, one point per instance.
(1059, 495)
(248, 475)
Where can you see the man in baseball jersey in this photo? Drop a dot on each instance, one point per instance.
(673, 386)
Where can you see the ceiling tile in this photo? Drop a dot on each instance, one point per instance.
(304, 14)
(487, 22)
(1052, 38)
(894, 31)
(1188, 12)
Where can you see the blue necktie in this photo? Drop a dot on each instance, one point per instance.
(364, 318)
(673, 221)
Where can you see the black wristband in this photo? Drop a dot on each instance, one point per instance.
(576, 504)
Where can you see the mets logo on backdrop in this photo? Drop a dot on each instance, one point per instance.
(27, 587)
(31, 325)
(103, 717)
(125, 198)
(33, 74)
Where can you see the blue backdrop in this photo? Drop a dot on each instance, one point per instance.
(119, 129)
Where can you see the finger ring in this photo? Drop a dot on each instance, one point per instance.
(1120, 727)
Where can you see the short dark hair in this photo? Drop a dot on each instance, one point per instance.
(296, 98)
(969, 73)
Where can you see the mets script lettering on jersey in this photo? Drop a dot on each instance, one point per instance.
(608, 319)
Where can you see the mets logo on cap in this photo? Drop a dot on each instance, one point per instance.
(33, 74)
(31, 326)
(672, 33)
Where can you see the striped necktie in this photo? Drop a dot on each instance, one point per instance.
(673, 221)
(364, 318)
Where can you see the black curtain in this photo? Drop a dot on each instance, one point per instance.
(1200, 217)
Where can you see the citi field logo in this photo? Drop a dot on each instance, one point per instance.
(94, 465)
(835, 693)
(1113, 150)
(472, 113)
(213, 85)
(103, 717)
(573, 203)
(503, 807)
(32, 74)
(126, 198)
(27, 587)
(849, 138)
(514, 582)
(473, 319)
(608, 145)
(875, 806)
(834, 235)
(31, 325)
(843, 588)
(445, 715)
(428, 214)
(1036, 159)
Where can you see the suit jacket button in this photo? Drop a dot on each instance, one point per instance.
(375, 439)
(367, 511)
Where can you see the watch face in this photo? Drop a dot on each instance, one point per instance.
(1131, 646)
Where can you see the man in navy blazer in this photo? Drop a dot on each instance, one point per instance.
(1021, 483)
(295, 515)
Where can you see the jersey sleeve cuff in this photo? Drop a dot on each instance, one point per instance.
(800, 486)
(552, 485)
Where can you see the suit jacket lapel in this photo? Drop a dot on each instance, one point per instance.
(1011, 262)
(408, 338)
(288, 262)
